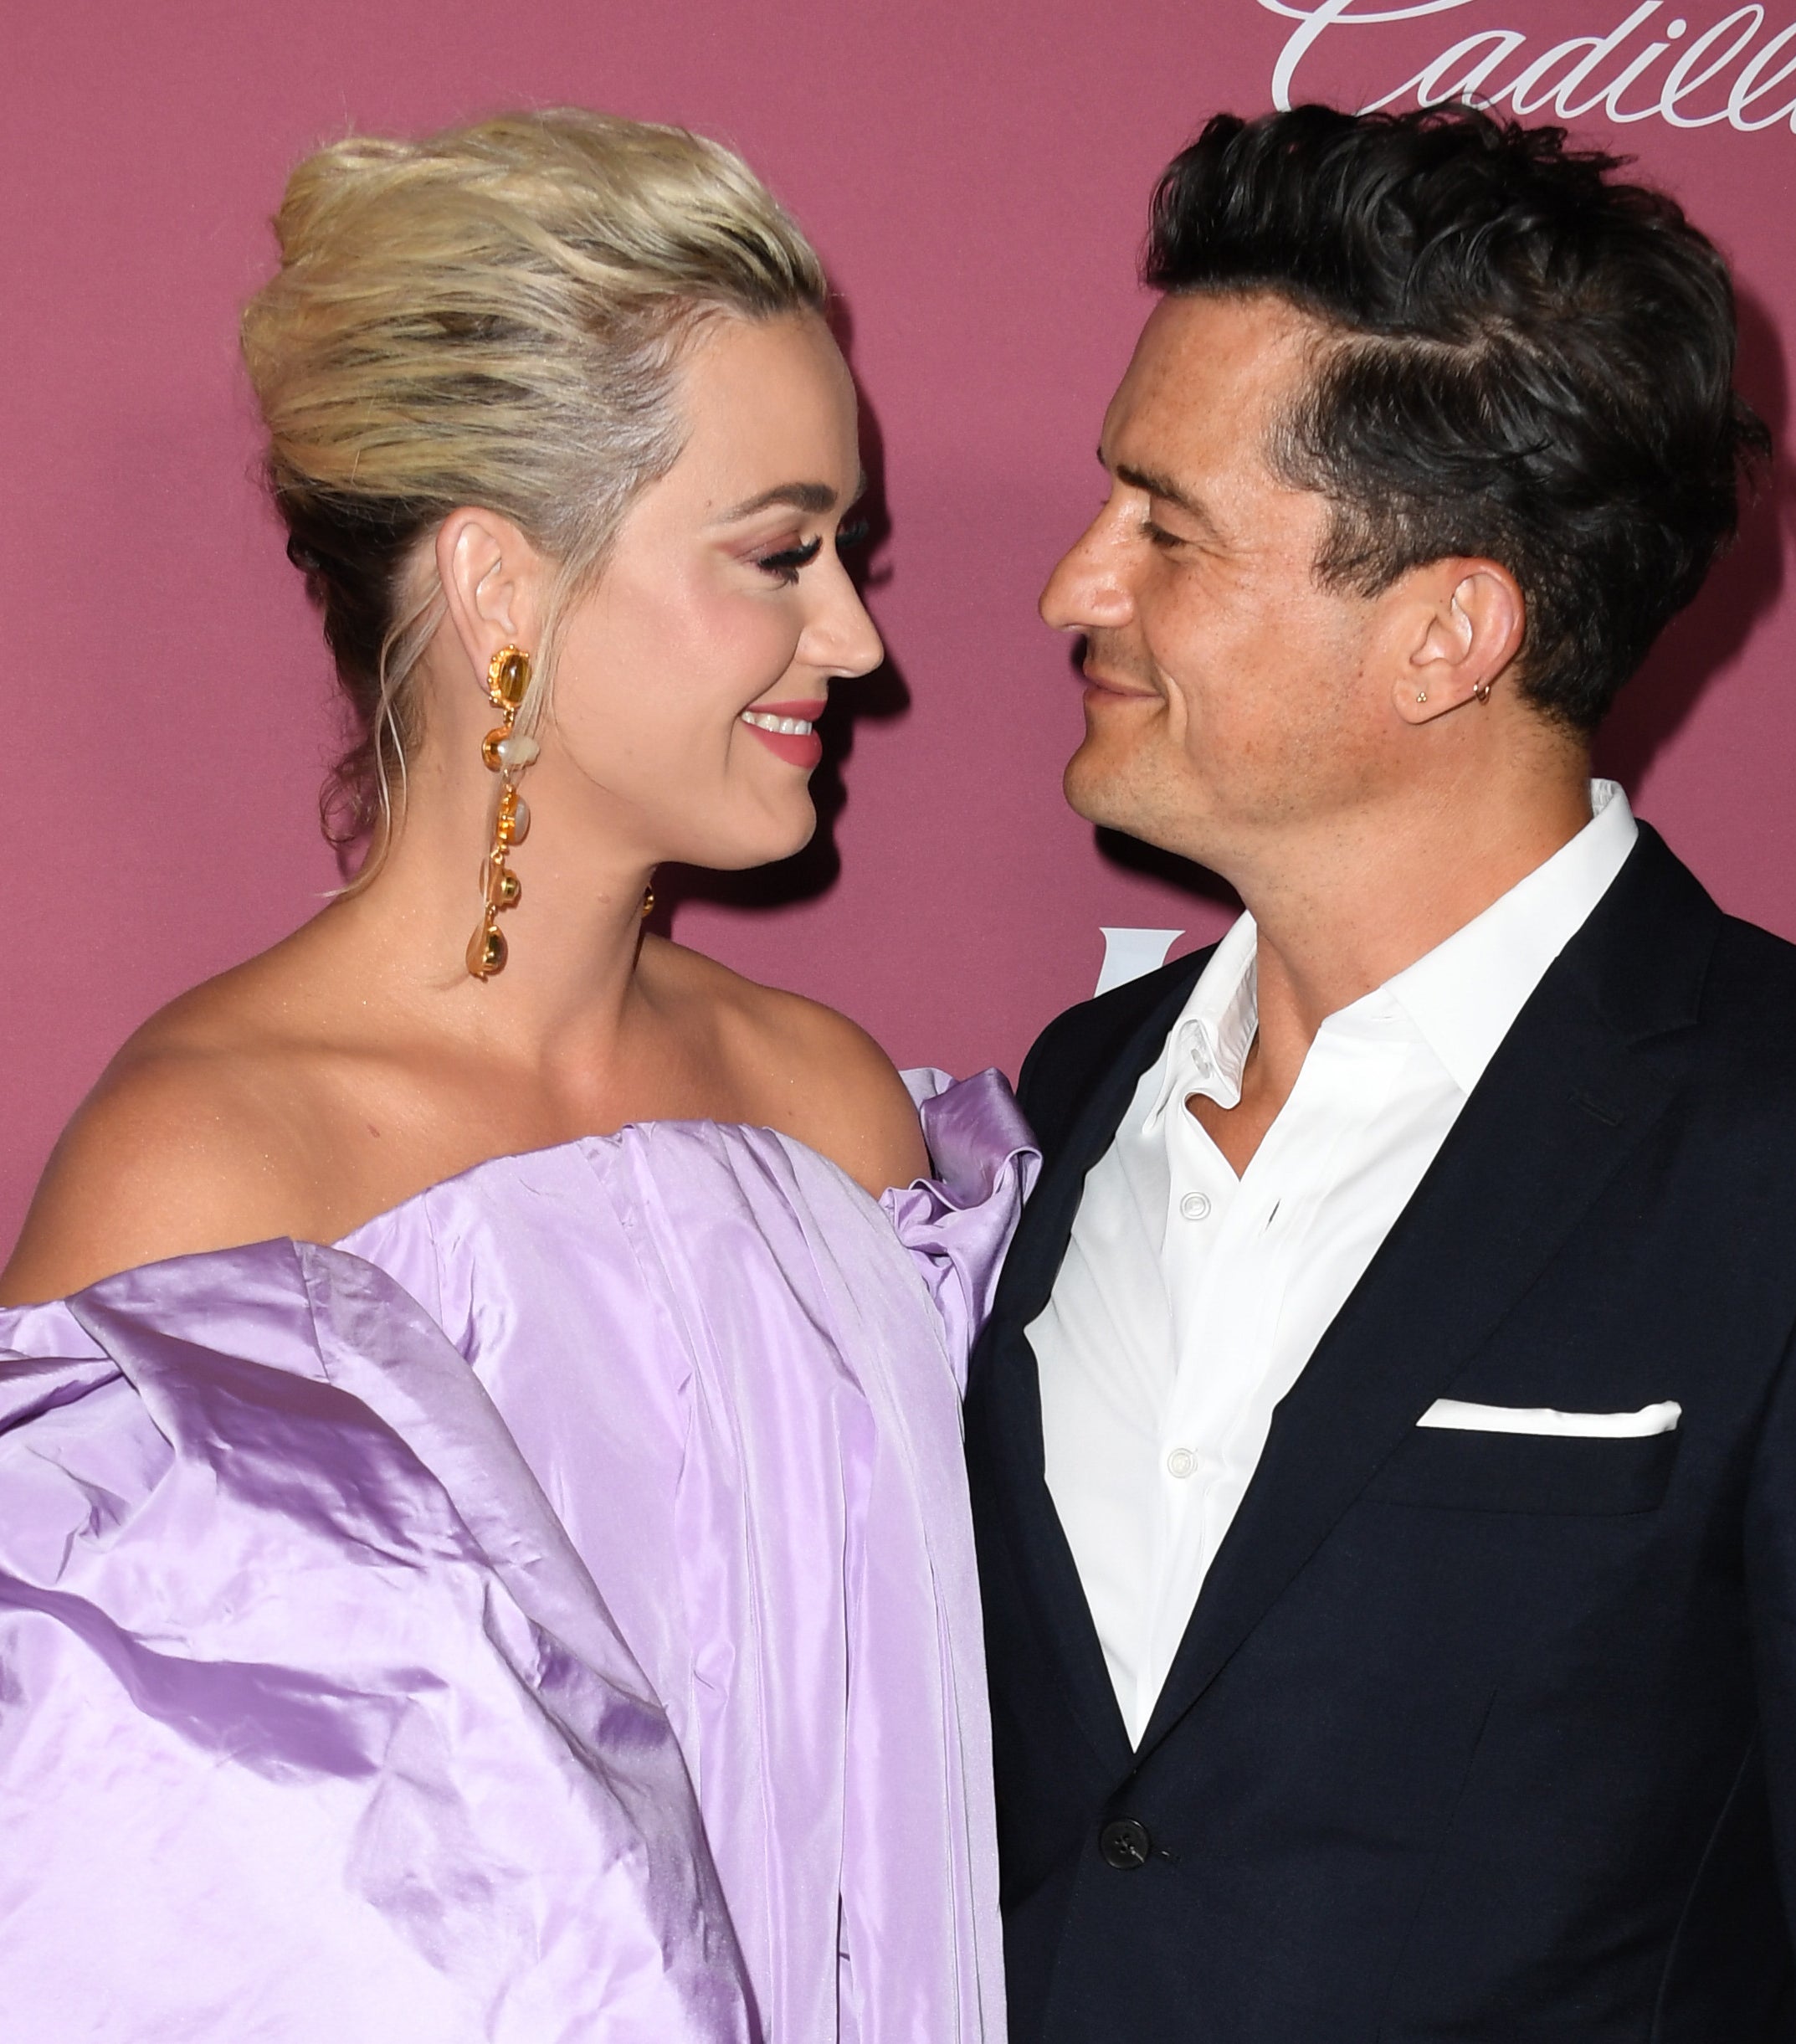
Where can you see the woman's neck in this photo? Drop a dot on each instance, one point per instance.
(572, 940)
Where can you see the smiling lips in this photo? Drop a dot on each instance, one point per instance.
(786, 729)
(1099, 687)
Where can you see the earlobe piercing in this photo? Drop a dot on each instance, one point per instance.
(506, 752)
(1482, 690)
(1422, 696)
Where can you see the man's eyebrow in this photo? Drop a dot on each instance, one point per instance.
(1158, 485)
(815, 498)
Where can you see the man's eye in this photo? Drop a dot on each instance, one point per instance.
(1158, 536)
(784, 565)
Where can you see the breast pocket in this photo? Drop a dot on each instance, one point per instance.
(1457, 1470)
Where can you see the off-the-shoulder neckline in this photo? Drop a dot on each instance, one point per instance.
(515, 1160)
(345, 1244)
(975, 1081)
(588, 1144)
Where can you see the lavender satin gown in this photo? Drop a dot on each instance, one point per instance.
(547, 1617)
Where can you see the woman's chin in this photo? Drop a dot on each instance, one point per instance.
(774, 839)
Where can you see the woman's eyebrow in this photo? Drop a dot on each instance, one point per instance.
(815, 498)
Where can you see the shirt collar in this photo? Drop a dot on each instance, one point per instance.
(1207, 1050)
(1462, 998)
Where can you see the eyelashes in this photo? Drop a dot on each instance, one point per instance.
(786, 565)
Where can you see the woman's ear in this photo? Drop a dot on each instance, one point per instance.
(492, 579)
(1470, 616)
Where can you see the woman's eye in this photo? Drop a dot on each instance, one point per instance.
(784, 565)
(851, 537)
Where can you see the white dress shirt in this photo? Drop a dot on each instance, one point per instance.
(1190, 1300)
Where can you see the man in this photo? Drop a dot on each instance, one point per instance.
(1384, 1448)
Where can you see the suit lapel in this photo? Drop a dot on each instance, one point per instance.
(1006, 1376)
(1585, 1072)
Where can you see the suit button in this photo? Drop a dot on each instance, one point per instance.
(1125, 1844)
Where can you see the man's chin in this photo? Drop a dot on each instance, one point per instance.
(1099, 790)
(1105, 793)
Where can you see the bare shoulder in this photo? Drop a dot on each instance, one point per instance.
(828, 1083)
(183, 1145)
(811, 1073)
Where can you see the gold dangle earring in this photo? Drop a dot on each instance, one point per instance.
(507, 753)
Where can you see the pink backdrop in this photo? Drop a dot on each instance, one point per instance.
(976, 175)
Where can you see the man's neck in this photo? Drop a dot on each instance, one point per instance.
(1334, 925)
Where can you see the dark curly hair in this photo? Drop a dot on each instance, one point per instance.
(1532, 361)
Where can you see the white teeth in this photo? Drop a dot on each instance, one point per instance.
(786, 727)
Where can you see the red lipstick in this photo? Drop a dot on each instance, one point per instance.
(797, 748)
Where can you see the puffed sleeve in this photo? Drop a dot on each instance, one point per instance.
(312, 1724)
(958, 1224)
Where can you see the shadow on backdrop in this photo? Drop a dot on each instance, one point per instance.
(1696, 646)
(811, 872)
(1132, 855)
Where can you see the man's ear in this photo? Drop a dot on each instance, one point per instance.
(1465, 623)
(492, 580)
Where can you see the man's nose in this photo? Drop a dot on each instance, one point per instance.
(1086, 590)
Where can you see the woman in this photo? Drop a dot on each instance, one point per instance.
(627, 1683)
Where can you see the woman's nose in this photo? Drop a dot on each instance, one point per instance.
(848, 641)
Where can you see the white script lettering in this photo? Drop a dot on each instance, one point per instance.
(1569, 78)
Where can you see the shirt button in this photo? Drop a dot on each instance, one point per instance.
(1195, 1206)
(1181, 1462)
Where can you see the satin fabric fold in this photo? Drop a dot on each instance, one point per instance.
(549, 1614)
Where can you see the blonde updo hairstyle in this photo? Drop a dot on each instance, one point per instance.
(493, 316)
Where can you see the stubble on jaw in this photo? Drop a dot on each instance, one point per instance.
(1214, 778)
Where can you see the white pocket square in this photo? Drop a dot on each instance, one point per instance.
(1661, 1419)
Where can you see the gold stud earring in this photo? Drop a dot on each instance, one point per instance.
(1422, 696)
(506, 752)
(1482, 691)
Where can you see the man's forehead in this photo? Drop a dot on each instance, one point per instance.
(1209, 373)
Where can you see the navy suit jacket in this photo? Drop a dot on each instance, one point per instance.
(1472, 1739)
